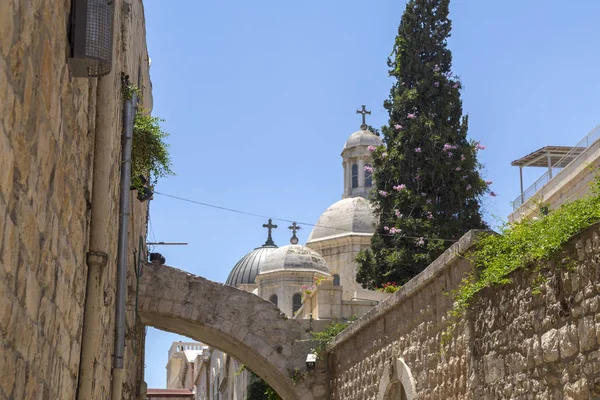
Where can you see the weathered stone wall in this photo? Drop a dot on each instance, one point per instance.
(512, 344)
(47, 133)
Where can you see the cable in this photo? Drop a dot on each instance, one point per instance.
(289, 220)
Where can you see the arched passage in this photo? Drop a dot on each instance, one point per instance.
(397, 382)
(239, 323)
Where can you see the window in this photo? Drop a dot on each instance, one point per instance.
(336, 280)
(368, 177)
(296, 302)
(354, 176)
(273, 299)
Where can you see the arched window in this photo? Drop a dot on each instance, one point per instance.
(296, 302)
(336, 280)
(368, 177)
(395, 392)
(354, 176)
(273, 299)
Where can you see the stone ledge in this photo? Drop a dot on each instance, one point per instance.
(443, 263)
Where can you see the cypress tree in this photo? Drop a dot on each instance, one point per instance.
(428, 186)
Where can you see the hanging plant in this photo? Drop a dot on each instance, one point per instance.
(150, 153)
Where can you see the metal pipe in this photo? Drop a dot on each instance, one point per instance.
(521, 175)
(128, 115)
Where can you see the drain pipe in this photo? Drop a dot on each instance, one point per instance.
(119, 351)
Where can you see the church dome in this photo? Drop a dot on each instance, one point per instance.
(348, 216)
(363, 138)
(245, 271)
(294, 257)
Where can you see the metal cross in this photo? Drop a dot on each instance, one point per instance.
(363, 112)
(270, 226)
(294, 228)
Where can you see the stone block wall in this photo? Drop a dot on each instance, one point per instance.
(512, 344)
(47, 131)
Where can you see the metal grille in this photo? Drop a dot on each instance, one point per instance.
(549, 175)
(92, 37)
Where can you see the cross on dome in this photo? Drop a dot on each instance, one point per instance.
(270, 226)
(294, 228)
(364, 113)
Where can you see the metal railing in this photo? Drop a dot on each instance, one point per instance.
(551, 173)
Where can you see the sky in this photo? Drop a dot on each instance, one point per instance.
(260, 97)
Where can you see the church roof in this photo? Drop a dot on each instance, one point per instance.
(363, 138)
(249, 266)
(294, 257)
(348, 216)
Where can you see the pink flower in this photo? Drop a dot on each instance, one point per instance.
(429, 215)
(421, 241)
(462, 157)
(493, 194)
(371, 148)
(398, 126)
(468, 187)
(449, 146)
(395, 230)
(411, 116)
(386, 228)
(398, 214)
(436, 68)
(436, 84)
(488, 182)
(456, 85)
(368, 168)
(458, 168)
(449, 154)
(399, 187)
(384, 155)
(417, 150)
(383, 193)
(479, 146)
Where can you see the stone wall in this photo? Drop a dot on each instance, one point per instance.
(512, 344)
(47, 135)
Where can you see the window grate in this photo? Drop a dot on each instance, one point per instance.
(91, 37)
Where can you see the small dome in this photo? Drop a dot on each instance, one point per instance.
(363, 138)
(249, 266)
(348, 216)
(294, 257)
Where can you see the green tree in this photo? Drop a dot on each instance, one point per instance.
(428, 186)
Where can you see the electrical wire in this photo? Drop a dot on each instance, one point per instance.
(289, 220)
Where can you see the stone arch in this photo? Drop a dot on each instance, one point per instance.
(397, 381)
(239, 323)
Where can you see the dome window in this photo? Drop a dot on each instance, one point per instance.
(354, 176)
(368, 177)
(336, 280)
(273, 299)
(296, 302)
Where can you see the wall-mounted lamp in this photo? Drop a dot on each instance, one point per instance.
(311, 360)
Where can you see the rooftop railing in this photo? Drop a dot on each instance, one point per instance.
(551, 173)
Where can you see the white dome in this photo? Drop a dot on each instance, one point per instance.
(348, 216)
(363, 138)
(294, 257)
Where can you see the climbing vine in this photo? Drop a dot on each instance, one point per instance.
(324, 337)
(524, 244)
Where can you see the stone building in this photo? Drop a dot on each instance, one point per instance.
(60, 162)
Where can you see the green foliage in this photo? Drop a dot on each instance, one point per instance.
(427, 174)
(389, 287)
(524, 245)
(258, 389)
(150, 153)
(327, 335)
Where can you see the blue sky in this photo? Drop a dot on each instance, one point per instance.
(259, 98)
